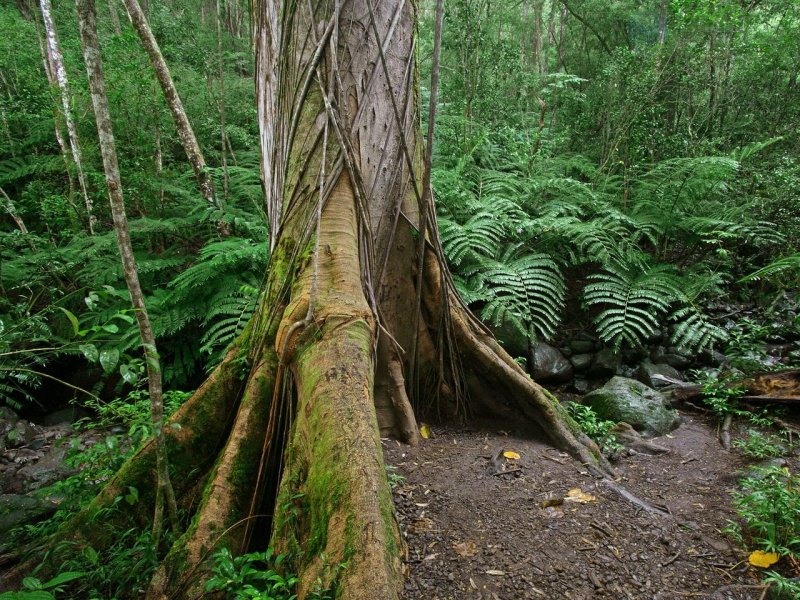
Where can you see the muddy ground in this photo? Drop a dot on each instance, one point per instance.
(473, 533)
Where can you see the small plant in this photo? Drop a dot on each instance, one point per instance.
(759, 445)
(595, 427)
(394, 478)
(254, 575)
(34, 589)
(769, 506)
(782, 587)
(721, 397)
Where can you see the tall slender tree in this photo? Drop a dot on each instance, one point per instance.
(59, 73)
(91, 54)
(185, 132)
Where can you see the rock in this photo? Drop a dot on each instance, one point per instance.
(581, 346)
(513, 341)
(65, 415)
(21, 434)
(548, 364)
(16, 509)
(48, 469)
(580, 385)
(581, 362)
(671, 356)
(645, 409)
(647, 372)
(606, 362)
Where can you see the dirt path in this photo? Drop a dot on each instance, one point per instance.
(473, 534)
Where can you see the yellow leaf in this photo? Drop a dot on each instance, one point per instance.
(424, 431)
(578, 495)
(762, 559)
(511, 454)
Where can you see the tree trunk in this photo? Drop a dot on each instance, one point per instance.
(91, 55)
(326, 360)
(184, 128)
(60, 74)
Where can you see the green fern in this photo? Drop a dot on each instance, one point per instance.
(523, 290)
(632, 302)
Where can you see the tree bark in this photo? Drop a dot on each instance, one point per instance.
(185, 132)
(91, 54)
(60, 75)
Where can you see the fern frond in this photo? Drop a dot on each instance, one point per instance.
(632, 302)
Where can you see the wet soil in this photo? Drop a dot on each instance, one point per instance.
(475, 533)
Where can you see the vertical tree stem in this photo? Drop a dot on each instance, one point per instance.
(94, 71)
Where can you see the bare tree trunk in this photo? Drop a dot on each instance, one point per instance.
(114, 15)
(185, 131)
(221, 75)
(8, 204)
(94, 71)
(60, 74)
(662, 22)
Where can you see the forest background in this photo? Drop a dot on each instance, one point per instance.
(628, 169)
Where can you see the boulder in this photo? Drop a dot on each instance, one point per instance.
(671, 356)
(605, 363)
(581, 386)
(645, 409)
(581, 362)
(548, 364)
(511, 339)
(581, 346)
(16, 509)
(648, 373)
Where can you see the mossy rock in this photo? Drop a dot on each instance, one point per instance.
(631, 401)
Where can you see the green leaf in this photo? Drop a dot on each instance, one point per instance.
(76, 328)
(109, 357)
(90, 351)
(63, 578)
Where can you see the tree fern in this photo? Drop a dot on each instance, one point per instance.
(479, 235)
(632, 302)
(523, 290)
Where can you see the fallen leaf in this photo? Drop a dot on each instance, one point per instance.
(578, 495)
(420, 525)
(495, 572)
(762, 559)
(466, 549)
(511, 454)
(424, 431)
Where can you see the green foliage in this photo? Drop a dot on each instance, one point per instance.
(721, 396)
(256, 575)
(34, 589)
(769, 505)
(760, 446)
(596, 428)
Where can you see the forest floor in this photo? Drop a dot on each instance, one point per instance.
(475, 533)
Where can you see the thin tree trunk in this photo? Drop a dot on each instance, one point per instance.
(185, 131)
(94, 71)
(221, 75)
(8, 204)
(114, 15)
(60, 74)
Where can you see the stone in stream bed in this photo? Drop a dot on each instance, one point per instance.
(631, 401)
